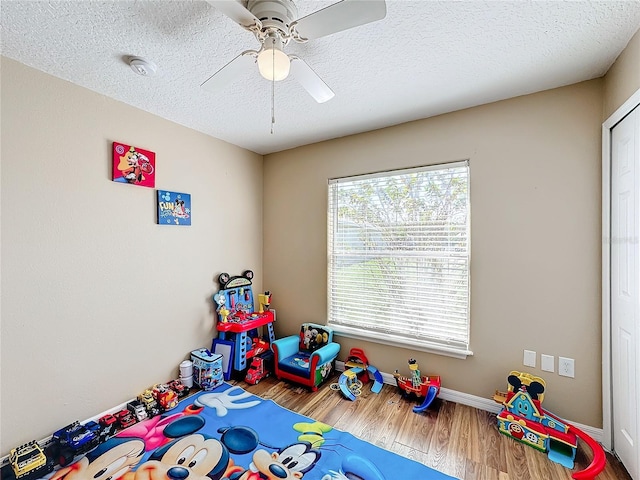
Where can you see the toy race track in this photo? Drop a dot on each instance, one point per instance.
(599, 459)
(356, 365)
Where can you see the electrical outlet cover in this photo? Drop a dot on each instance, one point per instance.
(566, 367)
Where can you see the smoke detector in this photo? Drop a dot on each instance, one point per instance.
(142, 66)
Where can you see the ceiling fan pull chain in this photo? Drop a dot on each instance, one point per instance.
(273, 89)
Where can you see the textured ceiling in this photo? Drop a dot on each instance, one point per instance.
(425, 58)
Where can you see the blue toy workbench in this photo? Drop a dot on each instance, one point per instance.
(237, 320)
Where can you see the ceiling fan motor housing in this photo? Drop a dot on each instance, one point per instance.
(274, 14)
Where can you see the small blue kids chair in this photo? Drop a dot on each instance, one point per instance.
(306, 358)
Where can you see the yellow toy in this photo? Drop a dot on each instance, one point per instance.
(264, 300)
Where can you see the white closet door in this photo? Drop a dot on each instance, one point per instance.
(625, 288)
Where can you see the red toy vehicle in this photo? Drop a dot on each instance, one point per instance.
(261, 367)
(125, 418)
(107, 420)
(178, 387)
(108, 426)
(166, 398)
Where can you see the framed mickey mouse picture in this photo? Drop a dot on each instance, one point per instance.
(174, 208)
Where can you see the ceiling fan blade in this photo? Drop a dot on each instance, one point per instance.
(310, 80)
(236, 12)
(338, 17)
(233, 70)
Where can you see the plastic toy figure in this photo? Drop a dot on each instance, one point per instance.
(222, 310)
(264, 300)
(415, 375)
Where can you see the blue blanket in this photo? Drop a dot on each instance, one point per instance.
(228, 433)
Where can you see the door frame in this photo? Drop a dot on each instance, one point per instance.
(607, 126)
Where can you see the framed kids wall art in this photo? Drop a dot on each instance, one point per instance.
(174, 208)
(134, 165)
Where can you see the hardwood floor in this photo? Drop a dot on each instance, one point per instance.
(455, 439)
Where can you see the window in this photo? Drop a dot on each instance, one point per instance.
(398, 258)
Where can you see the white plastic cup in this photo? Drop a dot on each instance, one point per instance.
(186, 368)
(187, 381)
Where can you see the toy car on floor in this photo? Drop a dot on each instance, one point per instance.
(104, 429)
(109, 425)
(74, 439)
(27, 462)
(178, 387)
(125, 418)
(138, 410)
(166, 398)
(146, 398)
(261, 367)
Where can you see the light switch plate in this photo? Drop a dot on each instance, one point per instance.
(529, 358)
(547, 363)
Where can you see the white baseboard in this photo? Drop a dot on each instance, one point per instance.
(481, 403)
(44, 442)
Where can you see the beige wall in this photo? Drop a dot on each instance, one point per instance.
(98, 302)
(623, 78)
(535, 230)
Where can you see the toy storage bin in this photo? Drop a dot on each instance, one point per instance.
(207, 369)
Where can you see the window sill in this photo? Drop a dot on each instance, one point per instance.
(395, 341)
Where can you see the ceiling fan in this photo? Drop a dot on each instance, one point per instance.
(275, 23)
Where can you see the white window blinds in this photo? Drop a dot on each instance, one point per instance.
(398, 256)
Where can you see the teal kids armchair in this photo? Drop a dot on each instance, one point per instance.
(306, 358)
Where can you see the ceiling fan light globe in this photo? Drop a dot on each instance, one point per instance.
(273, 64)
